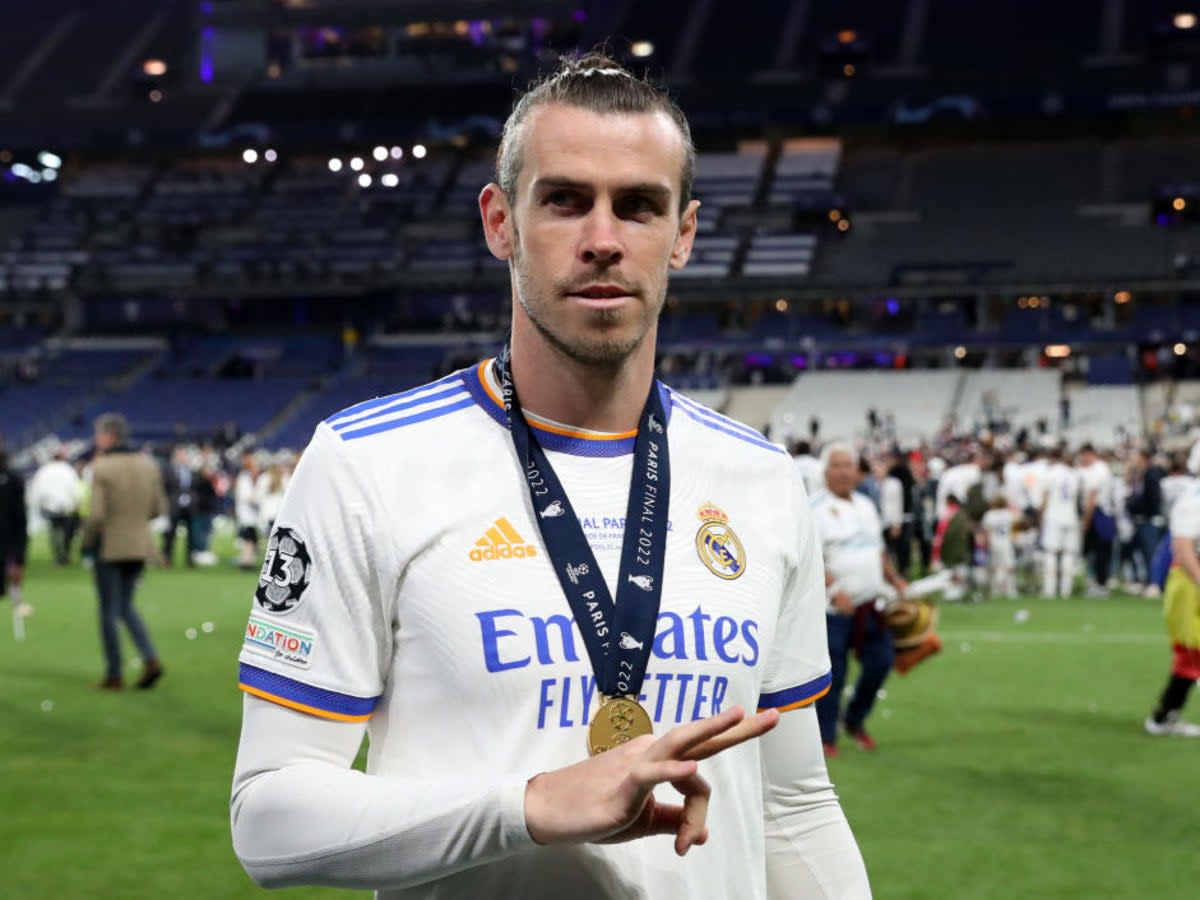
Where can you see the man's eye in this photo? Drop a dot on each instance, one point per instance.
(639, 206)
(561, 198)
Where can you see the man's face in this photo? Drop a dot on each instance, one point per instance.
(841, 473)
(593, 228)
(104, 441)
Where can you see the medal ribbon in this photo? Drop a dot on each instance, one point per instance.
(618, 635)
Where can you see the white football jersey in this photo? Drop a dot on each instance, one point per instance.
(1060, 489)
(1098, 477)
(998, 524)
(1185, 514)
(406, 583)
(956, 482)
(851, 543)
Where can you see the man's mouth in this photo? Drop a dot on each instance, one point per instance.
(602, 295)
(601, 291)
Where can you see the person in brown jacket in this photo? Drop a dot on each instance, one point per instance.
(127, 492)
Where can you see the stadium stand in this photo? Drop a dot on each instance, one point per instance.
(918, 401)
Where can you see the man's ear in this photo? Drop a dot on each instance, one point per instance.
(682, 250)
(497, 221)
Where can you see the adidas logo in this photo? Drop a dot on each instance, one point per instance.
(501, 541)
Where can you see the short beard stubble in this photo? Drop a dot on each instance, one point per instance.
(602, 353)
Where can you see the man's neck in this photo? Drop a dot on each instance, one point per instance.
(556, 387)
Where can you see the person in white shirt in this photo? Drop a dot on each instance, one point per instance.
(270, 488)
(1097, 521)
(442, 572)
(1175, 484)
(246, 503)
(858, 575)
(997, 525)
(808, 466)
(1059, 525)
(891, 511)
(957, 481)
(1012, 477)
(56, 491)
(1033, 473)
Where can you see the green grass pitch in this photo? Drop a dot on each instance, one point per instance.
(1012, 765)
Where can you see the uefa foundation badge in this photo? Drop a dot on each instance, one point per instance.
(717, 544)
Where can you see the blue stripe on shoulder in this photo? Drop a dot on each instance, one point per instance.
(391, 424)
(717, 426)
(299, 692)
(401, 404)
(718, 418)
(368, 405)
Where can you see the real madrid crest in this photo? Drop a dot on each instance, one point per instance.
(717, 544)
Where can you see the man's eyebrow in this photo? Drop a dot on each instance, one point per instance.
(556, 182)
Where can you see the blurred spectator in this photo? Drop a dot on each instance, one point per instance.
(1144, 503)
(180, 481)
(204, 508)
(14, 540)
(857, 574)
(271, 487)
(246, 510)
(1098, 523)
(998, 524)
(127, 492)
(56, 491)
(808, 467)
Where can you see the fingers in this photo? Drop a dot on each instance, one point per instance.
(693, 827)
(654, 772)
(748, 729)
(676, 743)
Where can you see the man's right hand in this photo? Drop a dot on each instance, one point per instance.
(609, 797)
(843, 603)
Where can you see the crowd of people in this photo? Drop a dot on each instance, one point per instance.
(200, 483)
(1022, 519)
(981, 518)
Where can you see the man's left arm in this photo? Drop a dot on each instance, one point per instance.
(810, 850)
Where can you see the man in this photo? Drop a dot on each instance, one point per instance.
(57, 491)
(1059, 524)
(127, 492)
(1097, 522)
(182, 483)
(427, 561)
(1144, 504)
(14, 541)
(858, 572)
(808, 466)
(958, 481)
(901, 546)
(245, 510)
(891, 513)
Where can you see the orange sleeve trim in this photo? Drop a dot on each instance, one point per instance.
(302, 707)
(798, 704)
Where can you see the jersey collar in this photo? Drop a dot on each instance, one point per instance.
(484, 387)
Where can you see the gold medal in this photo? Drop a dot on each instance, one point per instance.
(617, 721)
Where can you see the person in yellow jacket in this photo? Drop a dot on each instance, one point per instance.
(1181, 606)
